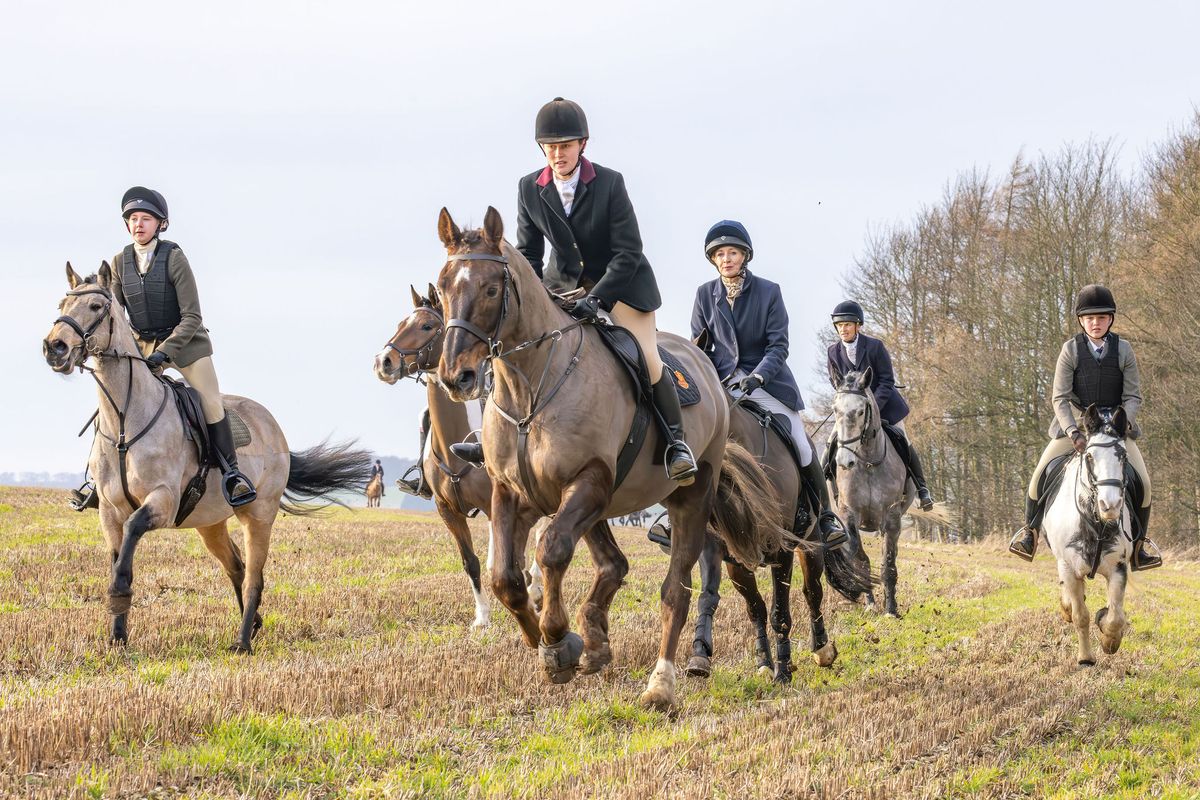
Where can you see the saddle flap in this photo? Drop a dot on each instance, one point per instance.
(622, 344)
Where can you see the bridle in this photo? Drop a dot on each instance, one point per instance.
(422, 355)
(85, 334)
(868, 433)
(1092, 512)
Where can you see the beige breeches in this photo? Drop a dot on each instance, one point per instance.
(1062, 446)
(202, 376)
(641, 325)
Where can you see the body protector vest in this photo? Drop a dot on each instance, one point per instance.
(1100, 382)
(150, 299)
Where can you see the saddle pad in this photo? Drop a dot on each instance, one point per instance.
(239, 429)
(621, 342)
(689, 393)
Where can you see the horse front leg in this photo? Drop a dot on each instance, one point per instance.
(1074, 590)
(582, 506)
(1111, 619)
(611, 568)
(457, 525)
(891, 546)
(744, 581)
(155, 511)
(812, 567)
(508, 578)
(781, 614)
(112, 525)
(700, 664)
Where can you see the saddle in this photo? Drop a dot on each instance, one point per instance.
(782, 427)
(629, 355)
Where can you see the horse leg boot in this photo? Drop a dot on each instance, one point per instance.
(1024, 541)
(417, 485)
(830, 526)
(237, 487)
(681, 464)
(1146, 554)
(700, 664)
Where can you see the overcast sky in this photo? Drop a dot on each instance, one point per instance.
(306, 148)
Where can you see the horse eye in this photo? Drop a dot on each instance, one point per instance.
(492, 291)
(426, 327)
(96, 306)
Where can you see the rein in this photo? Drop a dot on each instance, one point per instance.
(1092, 512)
(868, 434)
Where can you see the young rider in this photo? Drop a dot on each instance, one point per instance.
(856, 351)
(1095, 367)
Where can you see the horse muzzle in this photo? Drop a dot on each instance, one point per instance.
(386, 369)
(59, 355)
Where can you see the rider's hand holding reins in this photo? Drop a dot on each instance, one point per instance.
(749, 383)
(585, 307)
(1079, 441)
(156, 359)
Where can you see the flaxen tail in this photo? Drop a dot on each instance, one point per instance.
(318, 472)
(746, 513)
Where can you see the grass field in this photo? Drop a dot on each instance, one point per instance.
(366, 682)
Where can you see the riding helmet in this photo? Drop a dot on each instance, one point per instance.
(1095, 299)
(847, 311)
(728, 232)
(139, 198)
(560, 121)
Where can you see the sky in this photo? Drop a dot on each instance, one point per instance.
(306, 148)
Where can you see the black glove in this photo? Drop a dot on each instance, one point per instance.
(749, 383)
(585, 307)
(1079, 440)
(155, 360)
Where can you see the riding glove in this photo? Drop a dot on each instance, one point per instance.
(586, 307)
(155, 360)
(1079, 441)
(749, 383)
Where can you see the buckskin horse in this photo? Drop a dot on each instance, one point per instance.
(1088, 528)
(553, 428)
(459, 490)
(143, 463)
(873, 487)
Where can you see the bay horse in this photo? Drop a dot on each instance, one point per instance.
(374, 491)
(459, 489)
(142, 462)
(849, 578)
(873, 487)
(1089, 530)
(552, 430)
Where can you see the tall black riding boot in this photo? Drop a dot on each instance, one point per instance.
(1024, 541)
(237, 488)
(681, 464)
(416, 485)
(918, 476)
(1146, 554)
(830, 526)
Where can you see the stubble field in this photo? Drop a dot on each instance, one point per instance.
(367, 683)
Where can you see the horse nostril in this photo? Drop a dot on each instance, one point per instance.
(59, 346)
(465, 379)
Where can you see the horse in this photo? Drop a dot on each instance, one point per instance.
(142, 462)
(753, 431)
(873, 487)
(374, 491)
(459, 489)
(1089, 531)
(552, 431)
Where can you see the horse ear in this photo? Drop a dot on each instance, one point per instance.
(1091, 420)
(1120, 421)
(864, 381)
(104, 274)
(448, 232)
(73, 278)
(435, 300)
(493, 227)
(416, 297)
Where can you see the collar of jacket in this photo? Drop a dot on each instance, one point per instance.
(719, 286)
(587, 173)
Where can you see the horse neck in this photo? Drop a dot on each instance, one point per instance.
(133, 387)
(447, 421)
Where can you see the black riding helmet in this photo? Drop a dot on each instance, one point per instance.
(1095, 299)
(847, 311)
(560, 121)
(139, 198)
(728, 232)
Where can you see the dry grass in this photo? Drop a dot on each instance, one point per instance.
(367, 684)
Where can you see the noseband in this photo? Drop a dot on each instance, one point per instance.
(86, 333)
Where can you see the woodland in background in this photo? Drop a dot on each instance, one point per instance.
(974, 298)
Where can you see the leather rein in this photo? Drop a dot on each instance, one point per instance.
(1092, 512)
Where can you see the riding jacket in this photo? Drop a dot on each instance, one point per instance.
(870, 352)
(1081, 379)
(597, 246)
(163, 305)
(751, 336)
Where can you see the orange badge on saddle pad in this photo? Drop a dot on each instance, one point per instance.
(680, 380)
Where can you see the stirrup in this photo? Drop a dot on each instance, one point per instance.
(924, 499)
(836, 536)
(230, 482)
(1019, 538)
(84, 497)
(660, 533)
(1141, 559)
(416, 488)
(688, 476)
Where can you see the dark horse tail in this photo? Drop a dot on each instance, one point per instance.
(319, 471)
(746, 513)
(850, 577)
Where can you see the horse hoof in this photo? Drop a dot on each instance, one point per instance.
(119, 604)
(595, 660)
(242, 649)
(1087, 662)
(699, 667)
(893, 614)
(657, 699)
(783, 675)
(766, 672)
(1109, 646)
(560, 660)
(826, 655)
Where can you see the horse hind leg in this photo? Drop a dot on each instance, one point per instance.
(1111, 619)
(781, 614)
(756, 610)
(592, 617)
(700, 664)
(812, 567)
(225, 550)
(256, 543)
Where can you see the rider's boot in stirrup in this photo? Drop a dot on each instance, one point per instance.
(918, 476)
(832, 532)
(681, 464)
(236, 487)
(416, 485)
(1146, 554)
(1024, 541)
(84, 497)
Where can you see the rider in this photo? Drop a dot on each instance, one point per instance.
(747, 325)
(377, 469)
(153, 281)
(856, 351)
(1095, 367)
(584, 211)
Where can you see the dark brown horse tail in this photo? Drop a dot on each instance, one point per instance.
(746, 514)
(318, 472)
(850, 577)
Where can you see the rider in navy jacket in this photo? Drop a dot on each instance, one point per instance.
(747, 325)
(870, 352)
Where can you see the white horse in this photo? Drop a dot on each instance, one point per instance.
(1089, 531)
